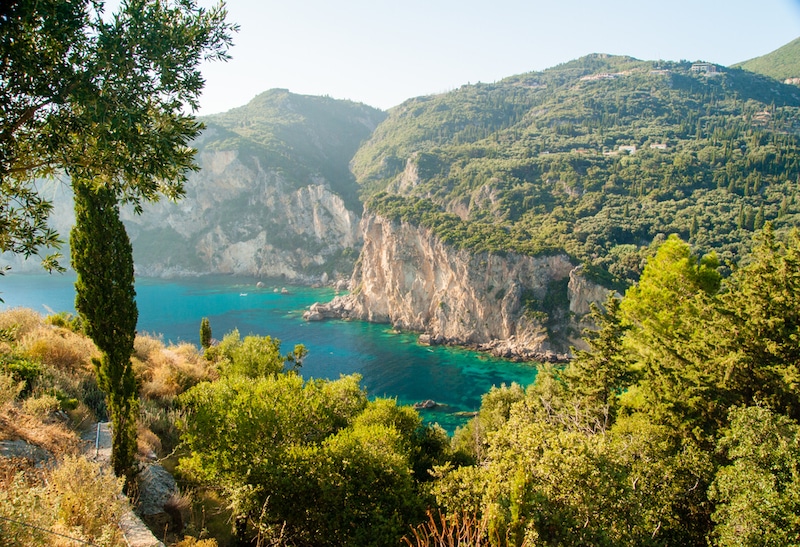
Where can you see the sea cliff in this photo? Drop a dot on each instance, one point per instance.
(515, 306)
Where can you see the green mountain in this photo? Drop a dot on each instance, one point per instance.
(274, 195)
(597, 157)
(302, 135)
(781, 64)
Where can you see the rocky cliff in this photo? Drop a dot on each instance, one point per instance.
(241, 217)
(273, 196)
(513, 305)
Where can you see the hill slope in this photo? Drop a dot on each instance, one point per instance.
(274, 195)
(597, 157)
(781, 64)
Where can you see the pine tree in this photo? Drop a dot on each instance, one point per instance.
(102, 257)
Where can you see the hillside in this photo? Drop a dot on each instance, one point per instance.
(597, 157)
(273, 195)
(781, 64)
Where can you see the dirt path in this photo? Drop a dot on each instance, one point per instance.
(133, 529)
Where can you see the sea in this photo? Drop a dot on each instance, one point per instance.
(391, 363)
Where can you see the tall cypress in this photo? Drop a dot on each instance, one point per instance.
(102, 257)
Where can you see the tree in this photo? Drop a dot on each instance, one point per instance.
(313, 460)
(758, 327)
(99, 98)
(597, 376)
(667, 311)
(205, 333)
(757, 494)
(105, 298)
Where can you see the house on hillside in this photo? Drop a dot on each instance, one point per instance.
(706, 68)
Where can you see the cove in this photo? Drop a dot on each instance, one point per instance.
(392, 364)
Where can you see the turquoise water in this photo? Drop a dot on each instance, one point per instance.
(392, 364)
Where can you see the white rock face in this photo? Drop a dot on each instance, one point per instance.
(245, 220)
(407, 277)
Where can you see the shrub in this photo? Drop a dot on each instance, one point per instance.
(144, 345)
(17, 322)
(89, 499)
(24, 504)
(41, 406)
(66, 320)
(23, 370)
(59, 348)
(10, 389)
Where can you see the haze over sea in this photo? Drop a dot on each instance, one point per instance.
(392, 364)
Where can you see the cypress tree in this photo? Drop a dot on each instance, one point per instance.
(205, 333)
(102, 257)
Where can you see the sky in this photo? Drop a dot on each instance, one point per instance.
(382, 52)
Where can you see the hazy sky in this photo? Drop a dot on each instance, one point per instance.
(382, 52)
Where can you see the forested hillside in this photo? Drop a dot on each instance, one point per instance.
(598, 157)
(781, 64)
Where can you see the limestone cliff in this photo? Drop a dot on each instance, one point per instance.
(241, 217)
(514, 305)
(273, 196)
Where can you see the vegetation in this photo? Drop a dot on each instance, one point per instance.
(677, 427)
(105, 299)
(779, 64)
(98, 97)
(205, 333)
(599, 158)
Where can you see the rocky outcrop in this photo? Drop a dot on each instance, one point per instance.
(512, 305)
(239, 217)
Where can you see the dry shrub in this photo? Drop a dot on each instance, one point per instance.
(17, 322)
(454, 530)
(89, 499)
(173, 370)
(24, 503)
(41, 406)
(9, 389)
(190, 541)
(149, 444)
(59, 348)
(146, 344)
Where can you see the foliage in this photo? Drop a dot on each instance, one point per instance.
(676, 427)
(205, 333)
(105, 299)
(10, 389)
(758, 492)
(779, 64)
(532, 164)
(87, 93)
(337, 469)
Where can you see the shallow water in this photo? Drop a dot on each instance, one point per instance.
(392, 364)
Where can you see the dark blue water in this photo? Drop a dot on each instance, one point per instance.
(392, 364)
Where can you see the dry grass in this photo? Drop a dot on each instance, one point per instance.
(455, 530)
(58, 347)
(171, 371)
(149, 444)
(54, 436)
(17, 322)
(144, 345)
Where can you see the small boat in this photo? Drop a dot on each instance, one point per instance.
(242, 294)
